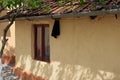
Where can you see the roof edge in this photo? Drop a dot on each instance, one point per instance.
(67, 15)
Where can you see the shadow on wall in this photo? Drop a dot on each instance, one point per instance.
(63, 71)
(2, 26)
(78, 72)
(9, 50)
(9, 55)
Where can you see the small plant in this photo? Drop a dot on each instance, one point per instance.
(102, 1)
(81, 3)
(61, 3)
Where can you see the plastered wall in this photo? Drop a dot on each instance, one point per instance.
(10, 45)
(85, 50)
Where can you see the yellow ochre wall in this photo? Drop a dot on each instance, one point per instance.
(10, 45)
(85, 50)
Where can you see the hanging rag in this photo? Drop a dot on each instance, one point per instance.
(56, 28)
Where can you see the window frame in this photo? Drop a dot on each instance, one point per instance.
(43, 42)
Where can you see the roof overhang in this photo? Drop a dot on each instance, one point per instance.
(69, 15)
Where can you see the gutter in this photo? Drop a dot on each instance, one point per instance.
(67, 15)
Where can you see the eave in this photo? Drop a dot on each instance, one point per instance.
(69, 15)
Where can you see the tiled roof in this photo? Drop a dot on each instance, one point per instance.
(67, 8)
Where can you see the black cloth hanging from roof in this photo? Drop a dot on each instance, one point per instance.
(56, 29)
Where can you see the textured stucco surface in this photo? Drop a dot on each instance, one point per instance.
(85, 50)
(10, 45)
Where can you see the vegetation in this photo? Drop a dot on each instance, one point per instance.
(20, 5)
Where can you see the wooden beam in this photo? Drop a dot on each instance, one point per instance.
(73, 14)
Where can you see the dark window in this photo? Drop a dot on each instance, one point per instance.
(42, 45)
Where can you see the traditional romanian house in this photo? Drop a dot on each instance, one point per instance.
(68, 42)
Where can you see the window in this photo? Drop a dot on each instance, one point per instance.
(42, 45)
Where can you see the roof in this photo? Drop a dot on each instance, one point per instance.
(56, 11)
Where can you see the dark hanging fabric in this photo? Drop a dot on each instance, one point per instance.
(92, 17)
(116, 16)
(56, 28)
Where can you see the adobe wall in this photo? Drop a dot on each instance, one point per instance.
(86, 49)
(9, 51)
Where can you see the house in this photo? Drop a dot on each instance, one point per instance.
(69, 44)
